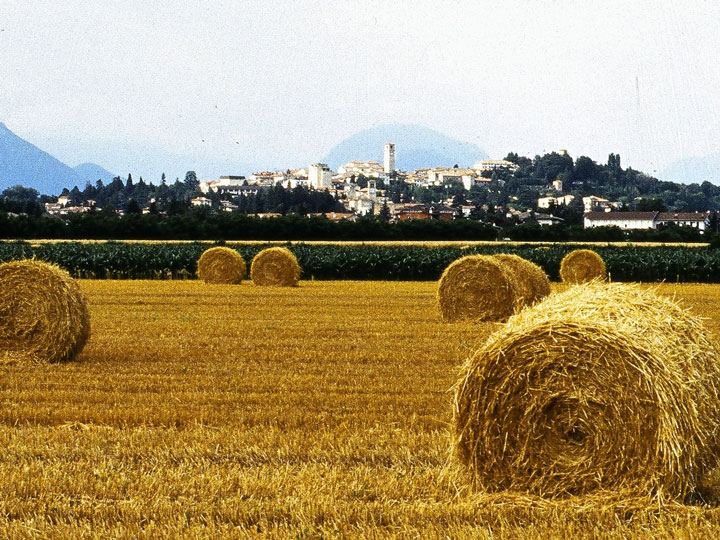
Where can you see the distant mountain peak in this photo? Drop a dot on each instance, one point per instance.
(23, 163)
(92, 172)
(415, 147)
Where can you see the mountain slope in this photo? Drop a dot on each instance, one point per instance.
(415, 147)
(91, 172)
(24, 163)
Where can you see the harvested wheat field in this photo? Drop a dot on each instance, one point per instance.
(322, 411)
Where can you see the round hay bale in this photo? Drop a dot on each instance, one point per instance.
(533, 282)
(582, 265)
(478, 287)
(43, 313)
(276, 266)
(601, 387)
(221, 265)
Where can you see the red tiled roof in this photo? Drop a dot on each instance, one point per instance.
(442, 209)
(413, 208)
(607, 216)
(682, 216)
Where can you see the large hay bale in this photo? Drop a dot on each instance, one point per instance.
(532, 280)
(221, 265)
(43, 313)
(601, 387)
(478, 287)
(275, 266)
(581, 266)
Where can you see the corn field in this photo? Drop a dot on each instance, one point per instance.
(365, 262)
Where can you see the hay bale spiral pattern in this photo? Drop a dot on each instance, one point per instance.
(602, 387)
(43, 313)
(533, 282)
(221, 265)
(275, 266)
(477, 287)
(581, 266)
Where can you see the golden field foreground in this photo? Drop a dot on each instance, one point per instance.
(320, 411)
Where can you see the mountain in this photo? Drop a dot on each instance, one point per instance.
(415, 147)
(693, 170)
(90, 172)
(24, 163)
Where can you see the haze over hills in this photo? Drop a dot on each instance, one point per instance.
(415, 147)
(23, 163)
(92, 172)
(693, 170)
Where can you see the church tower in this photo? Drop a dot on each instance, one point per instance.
(389, 158)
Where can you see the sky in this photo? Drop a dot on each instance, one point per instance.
(226, 87)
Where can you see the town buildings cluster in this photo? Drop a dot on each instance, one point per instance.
(358, 186)
(360, 198)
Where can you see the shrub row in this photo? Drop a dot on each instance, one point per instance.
(365, 262)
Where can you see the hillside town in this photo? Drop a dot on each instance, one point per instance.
(368, 188)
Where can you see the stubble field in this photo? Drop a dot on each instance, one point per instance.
(314, 412)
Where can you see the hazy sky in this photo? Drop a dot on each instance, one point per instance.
(152, 86)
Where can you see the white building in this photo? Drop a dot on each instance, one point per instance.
(699, 220)
(228, 206)
(320, 176)
(389, 158)
(494, 165)
(593, 203)
(545, 220)
(557, 185)
(226, 184)
(370, 169)
(200, 201)
(547, 202)
(267, 178)
(366, 200)
(624, 220)
(645, 220)
(468, 177)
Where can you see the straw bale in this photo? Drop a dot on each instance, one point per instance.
(221, 265)
(43, 313)
(533, 282)
(582, 265)
(478, 287)
(601, 387)
(276, 266)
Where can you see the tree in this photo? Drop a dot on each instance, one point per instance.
(20, 194)
(191, 181)
(75, 196)
(614, 162)
(133, 207)
(384, 214)
(551, 165)
(585, 169)
(458, 200)
(177, 207)
(651, 205)
(714, 221)
(89, 192)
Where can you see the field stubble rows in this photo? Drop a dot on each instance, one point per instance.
(313, 412)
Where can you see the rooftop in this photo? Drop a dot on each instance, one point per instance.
(625, 216)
